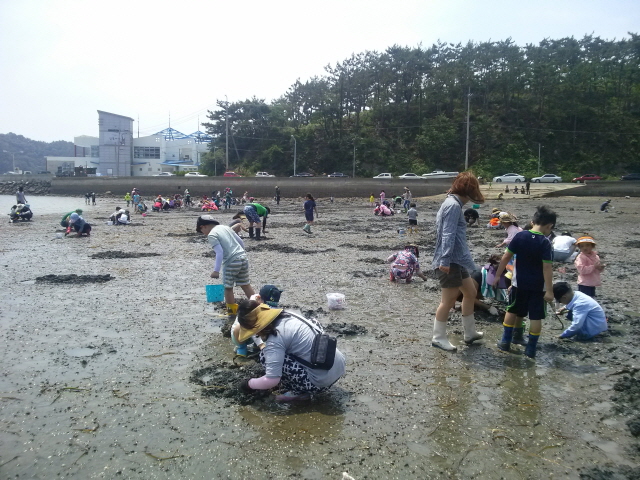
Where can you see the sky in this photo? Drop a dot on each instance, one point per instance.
(62, 60)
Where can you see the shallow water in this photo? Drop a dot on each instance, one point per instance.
(45, 204)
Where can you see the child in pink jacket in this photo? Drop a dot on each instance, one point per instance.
(588, 265)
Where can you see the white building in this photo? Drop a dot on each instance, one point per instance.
(116, 153)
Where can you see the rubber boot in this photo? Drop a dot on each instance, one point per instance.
(258, 234)
(532, 344)
(440, 339)
(518, 336)
(470, 332)
(250, 232)
(507, 335)
(232, 308)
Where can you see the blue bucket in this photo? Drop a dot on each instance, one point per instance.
(215, 293)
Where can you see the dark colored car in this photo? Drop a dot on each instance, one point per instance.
(338, 175)
(631, 176)
(587, 177)
(303, 174)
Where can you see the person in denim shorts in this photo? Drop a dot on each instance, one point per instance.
(452, 261)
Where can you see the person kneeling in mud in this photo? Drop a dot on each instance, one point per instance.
(288, 341)
(269, 294)
(586, 315)
(404, 264)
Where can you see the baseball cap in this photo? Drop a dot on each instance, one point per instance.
(270, 294)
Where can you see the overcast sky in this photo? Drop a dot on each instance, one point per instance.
(62, 60)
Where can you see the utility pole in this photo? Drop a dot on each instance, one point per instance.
(466, 156)
(539, 148)
(226, 114)
(354, 159)
(295, 147)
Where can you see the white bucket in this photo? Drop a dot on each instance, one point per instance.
(336, 301)
(59, 235)
(109, 222)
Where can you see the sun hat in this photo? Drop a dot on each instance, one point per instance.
(261, 317)
(585, 239)
(205, 220)
(495, 210)
(270, 295)
(505, 217)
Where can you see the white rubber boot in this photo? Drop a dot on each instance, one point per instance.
(440, 339)
(470, 333)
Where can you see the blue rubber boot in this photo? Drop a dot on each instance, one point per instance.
(507, 335)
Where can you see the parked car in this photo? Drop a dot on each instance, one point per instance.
(194, 174)
(384, 175)
(440, 174)
(410, 176)
(338, 175)
(588, 176)
(263, 174)
(631, 176)
(44, 172)
(164, 174)
(303, 174)
(509, 177)
(547, 178)
(231, 174)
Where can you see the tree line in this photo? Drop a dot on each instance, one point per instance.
(571, 104)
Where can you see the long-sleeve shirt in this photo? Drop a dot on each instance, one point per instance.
(588, 317)
(588, 274)
(451, 236)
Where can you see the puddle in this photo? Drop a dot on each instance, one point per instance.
(81, 352)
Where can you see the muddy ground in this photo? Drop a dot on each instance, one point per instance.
(130, 378)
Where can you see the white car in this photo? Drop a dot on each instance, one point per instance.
(410, 176)
(547, 178)
(509, 177)
(194, 174)
(384, 175)
(164, 174)
(440, 174)
(264, 174)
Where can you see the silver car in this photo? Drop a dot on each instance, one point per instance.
(547, 178)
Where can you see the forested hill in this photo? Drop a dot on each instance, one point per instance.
(33, 152)
(576, 101)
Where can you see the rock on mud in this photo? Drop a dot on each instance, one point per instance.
(346, 329)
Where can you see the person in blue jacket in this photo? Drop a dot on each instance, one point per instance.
(586, 315)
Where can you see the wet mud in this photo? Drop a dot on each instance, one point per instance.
(134, 378)
(74, 279)
(120, 254)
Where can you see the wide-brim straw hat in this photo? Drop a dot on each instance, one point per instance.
(585, 239)
(505, 217)
(262, 316)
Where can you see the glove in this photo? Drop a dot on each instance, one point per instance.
(493, 311)
(245, 388)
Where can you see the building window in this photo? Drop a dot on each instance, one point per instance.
(95, 151)
(146, 152)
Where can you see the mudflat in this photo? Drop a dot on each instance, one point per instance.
(115, 366)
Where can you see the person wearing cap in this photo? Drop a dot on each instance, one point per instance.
(588, 265)
(404, 264)
(230, 256)
(288, 341)
(269, 294)
(79, 224)
(65, 218)
(586, 315)
(509, 223)
(531, 285)
(452, 261)
(605, 206)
